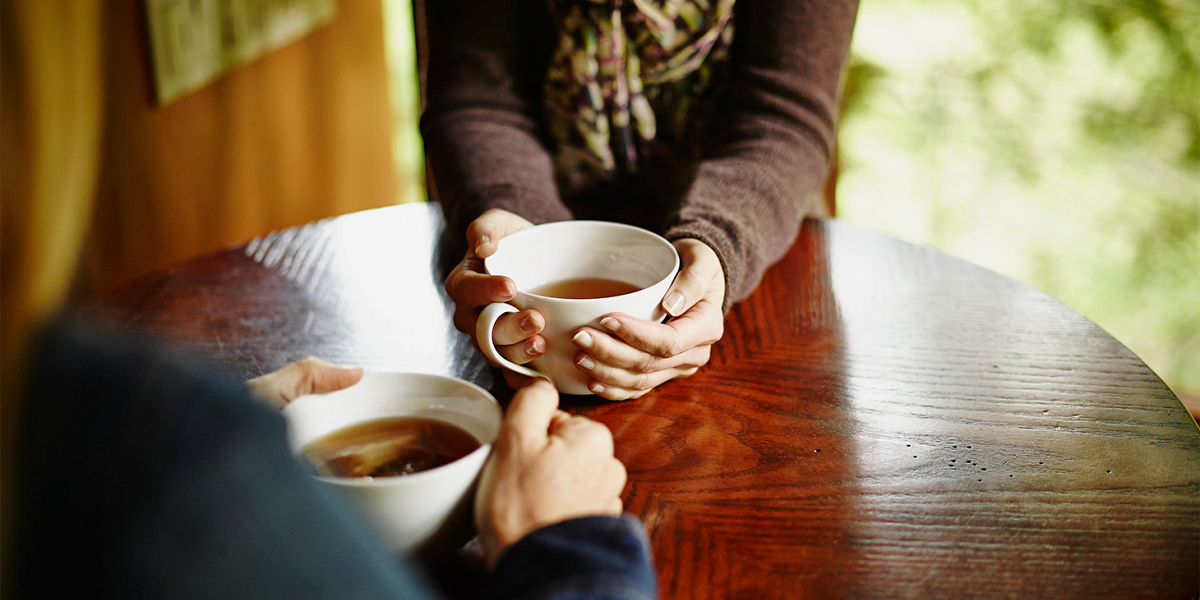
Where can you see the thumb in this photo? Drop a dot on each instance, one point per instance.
(700, 266)
(486, 231)
(531, 410)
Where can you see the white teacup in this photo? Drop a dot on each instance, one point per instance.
(407, 510)
(568, 250)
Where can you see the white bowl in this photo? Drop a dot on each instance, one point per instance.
(408, 510)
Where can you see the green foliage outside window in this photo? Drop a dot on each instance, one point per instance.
(1054, 141)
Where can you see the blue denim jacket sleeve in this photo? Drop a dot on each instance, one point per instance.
(589, 558)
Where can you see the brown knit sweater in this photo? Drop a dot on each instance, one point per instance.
(764, 154)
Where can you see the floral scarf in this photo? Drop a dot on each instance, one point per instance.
(629, 79)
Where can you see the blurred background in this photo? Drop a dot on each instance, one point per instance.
(1053, 141)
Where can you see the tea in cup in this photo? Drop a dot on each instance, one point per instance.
(574, 273)
(404, 448)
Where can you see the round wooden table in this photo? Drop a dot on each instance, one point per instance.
(881, 420)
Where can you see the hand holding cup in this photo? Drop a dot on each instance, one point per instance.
(575, 273)
(619, 355)
(546, 466)
(472, 288)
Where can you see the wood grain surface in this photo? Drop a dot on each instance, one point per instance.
(880, 420)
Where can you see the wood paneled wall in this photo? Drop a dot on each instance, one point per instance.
(300, 134)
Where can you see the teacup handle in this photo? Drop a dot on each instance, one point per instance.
(483, 335)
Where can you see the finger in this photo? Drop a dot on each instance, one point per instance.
(643, 378)
(559, 420)
(616, 477)
(616, 352)
(516, 327)
(525, 351)
(517, 381)
(607, 376)
(306, 376)
(465, 318)
(614, 393)
(626, 336)
(531, 410)
(701, 266)
(582, 431)
(616, 507)
(620, 477)
(484, 232)
(467, 286)
(328, 377)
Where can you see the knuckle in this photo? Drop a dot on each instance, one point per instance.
(611, 393)
(518, 439)
(716, 333)
(453, 284)
(647, 364)
(642, 382)
(693, 279)
(668, 348)
(619, 471)
(594, 430)
(514, 353)
(464, 321)
(476, 226)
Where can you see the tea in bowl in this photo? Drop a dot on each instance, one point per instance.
(404, 448)
(574, 273)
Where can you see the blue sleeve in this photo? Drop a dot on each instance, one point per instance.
(589, 558)
(145, 476)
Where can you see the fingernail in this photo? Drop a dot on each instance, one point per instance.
(530, 324)
(610, 323)
(508, 292)
(583, 339)
(674, 304)
(483, 241)
(596, 388)
(586, 362)
(533, 348)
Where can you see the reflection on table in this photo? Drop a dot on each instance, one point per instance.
(880, 419)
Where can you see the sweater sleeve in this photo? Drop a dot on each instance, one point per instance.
(482, 122)
(771, 138)
(589, 558)
(768, 145)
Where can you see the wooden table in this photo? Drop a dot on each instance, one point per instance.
(881, 420)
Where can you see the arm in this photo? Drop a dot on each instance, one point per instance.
(481, 128)
(481, 125)
(768, 147)
(771, 138)
(609, 557)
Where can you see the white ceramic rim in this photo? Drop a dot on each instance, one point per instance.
(658, 239)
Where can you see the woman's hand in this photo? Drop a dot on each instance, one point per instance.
(546, 466)
(516, 335)
(632, 356)
(305, 376)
